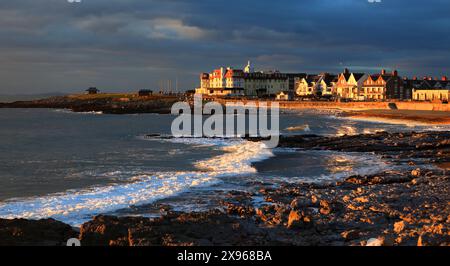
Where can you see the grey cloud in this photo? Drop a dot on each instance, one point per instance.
(49, 45)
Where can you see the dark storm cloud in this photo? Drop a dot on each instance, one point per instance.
(52, 45)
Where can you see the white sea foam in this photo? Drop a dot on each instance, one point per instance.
(67, 111)
(76, 207)
(299, 128)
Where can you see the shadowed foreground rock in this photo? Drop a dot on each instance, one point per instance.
(209, 228)
(47, 232)
(392, 208)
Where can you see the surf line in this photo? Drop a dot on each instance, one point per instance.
(257, 114)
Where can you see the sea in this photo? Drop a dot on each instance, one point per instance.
(73, 166)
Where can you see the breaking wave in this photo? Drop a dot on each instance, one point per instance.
(77, 206)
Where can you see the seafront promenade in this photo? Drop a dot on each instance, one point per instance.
(423, 113)
(388, 105)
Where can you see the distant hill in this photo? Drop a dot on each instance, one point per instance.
(5, 98)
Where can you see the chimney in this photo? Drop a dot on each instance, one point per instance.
(444, 78)
(430, 78)
(425, 78)
(415, 78)
(383, 72)
(346, 71)
(395, 73)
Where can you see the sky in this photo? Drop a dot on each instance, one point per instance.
(126, 45)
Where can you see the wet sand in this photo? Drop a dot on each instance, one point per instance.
(414, 117)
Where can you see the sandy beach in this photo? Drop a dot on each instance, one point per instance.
(416, 117)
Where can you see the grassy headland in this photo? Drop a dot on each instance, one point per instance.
(108, 103)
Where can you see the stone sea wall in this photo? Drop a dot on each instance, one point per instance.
(422, 106)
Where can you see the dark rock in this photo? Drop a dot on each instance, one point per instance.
(103, 229)
(46, 232)
(416, 172)
(351, 235)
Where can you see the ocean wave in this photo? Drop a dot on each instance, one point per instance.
(67, 111)
(299, 128)
(77, 206)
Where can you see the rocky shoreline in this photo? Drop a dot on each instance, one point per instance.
(401, 207)
(106, 105)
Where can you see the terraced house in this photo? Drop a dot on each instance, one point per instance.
(306, 86)
(316, 85)
(383, 86)
(327, 84)
(349, 85)
(432, 90)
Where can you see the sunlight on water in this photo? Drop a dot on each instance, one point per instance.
(346, 130)
(75, 207)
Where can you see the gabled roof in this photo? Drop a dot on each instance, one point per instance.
(346, 76)
(385, 77)
(358, 76)
(433, 85)
(234, 73)
(314, 78)
(438, 85)
(374, 77)
(329, 79)
(425, 85)
(444, 83)
(414, 83)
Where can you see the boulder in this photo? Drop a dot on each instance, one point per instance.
(294, 219)
(399, 227)
(103, 231)
(375, 242)
(416, 172)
